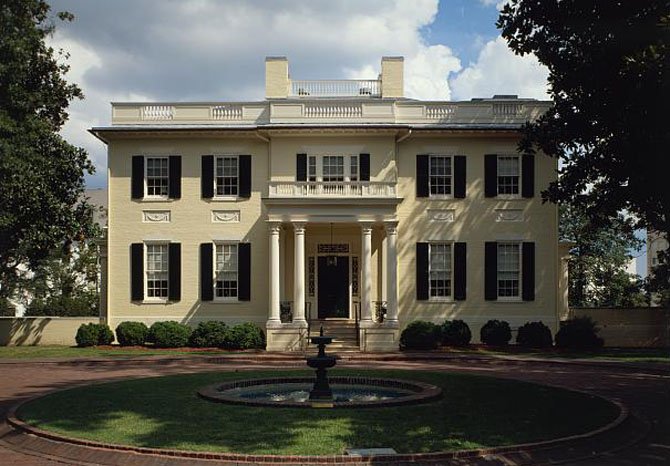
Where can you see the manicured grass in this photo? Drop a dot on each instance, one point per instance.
(606, 354)
(36, 352)
(165, 412)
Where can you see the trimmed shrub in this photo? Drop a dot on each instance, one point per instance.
(579, 333)
(245, 336)
(456, 333)
(496, 333)
(169, 334)
(420, 335)
(210, 334)
(93, 335)
(534, 335)
(131, 333)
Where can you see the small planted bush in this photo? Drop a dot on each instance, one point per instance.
(245, 336)
(131, 333)
(456, 333)
(496, 333)
(210, 334)
(94, 335)
(169, 334)
(534, 335)
(420, 335)
(580, 333)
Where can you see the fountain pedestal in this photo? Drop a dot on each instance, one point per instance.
(321, 395)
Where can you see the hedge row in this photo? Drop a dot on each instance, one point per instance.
(580, 333)
(171, 334)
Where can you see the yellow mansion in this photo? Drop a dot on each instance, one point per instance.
(338, 203)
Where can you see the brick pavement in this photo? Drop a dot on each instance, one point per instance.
(644, 388)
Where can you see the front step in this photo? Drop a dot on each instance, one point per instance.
(343, 333)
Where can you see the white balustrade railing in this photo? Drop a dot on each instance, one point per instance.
(326, 110)
(336, 88)
(227, 112)
(157, 112)
(507, 108)
(440, 111)
(332, 189)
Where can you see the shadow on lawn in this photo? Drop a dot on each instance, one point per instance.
(166, 413)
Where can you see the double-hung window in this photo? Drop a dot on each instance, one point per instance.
(311, 168)
(226, 280)
(226, 180)
(353, 168)
(157, 177)
(440, 175)
(509, 175)
(157, 278)
(333, 168)
(440, 270)
(509, 269)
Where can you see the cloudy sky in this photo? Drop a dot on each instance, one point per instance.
(190, 50)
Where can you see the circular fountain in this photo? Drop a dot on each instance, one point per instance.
(322, 392)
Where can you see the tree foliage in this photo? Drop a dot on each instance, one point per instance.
(608, 79)
(598, 260)
(41, 205)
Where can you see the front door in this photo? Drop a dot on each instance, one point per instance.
(333, 289)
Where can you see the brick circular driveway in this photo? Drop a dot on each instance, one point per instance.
(643, 388)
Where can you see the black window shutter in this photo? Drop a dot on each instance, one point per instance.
(244, 271)
(528, 271)
(364, 161)
(422, 189)
(245, 176)
(207, 177)
(301, 167)
(137, 271)
(137, 181)
(528, 175)
(490, 270)
(175, 177)
(174, 271)
(421, 271)
(459, 176)
(206, 272)
(460, 282)
(490, 175)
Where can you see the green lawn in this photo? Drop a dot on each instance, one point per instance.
(606, 354)
(165, 412)
(34, 352)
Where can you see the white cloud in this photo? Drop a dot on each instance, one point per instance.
(499, 4)
(499, 71)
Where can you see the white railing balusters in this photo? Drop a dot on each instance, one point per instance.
(336, 88)
(227, 112)
(157, 112)
(332, 189)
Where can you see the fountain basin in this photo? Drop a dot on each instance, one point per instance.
(348, 392)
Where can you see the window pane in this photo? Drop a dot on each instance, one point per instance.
(157, 176)
(225, 285)
(508, 269)
(508, 175)
(440, 175)
(226, 180)
(440, 269)
(157, 270)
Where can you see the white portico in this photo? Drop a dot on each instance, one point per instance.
(332, 261)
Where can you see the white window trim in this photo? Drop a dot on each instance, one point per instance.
(442, 299)
(226, 197)
(226, 299)
(155, 299)
(510, 196)
(441, 196)
(346, 162)
(518, 298)
(154, 197)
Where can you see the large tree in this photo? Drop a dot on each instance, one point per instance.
(608, 79)
(42, 175)
(598, 260)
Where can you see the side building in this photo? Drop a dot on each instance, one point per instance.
(335, 203)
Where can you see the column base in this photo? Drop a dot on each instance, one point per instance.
(286, 336)
(378, 337)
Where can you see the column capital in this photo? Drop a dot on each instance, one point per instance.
(274, 227)
(366, 228)
(391, 228)
(298, 227)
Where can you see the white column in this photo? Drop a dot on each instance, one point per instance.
(274, 314)
(391, 273)
(366, 272)
(299, 273)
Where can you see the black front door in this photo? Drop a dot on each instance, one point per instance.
(333, 287)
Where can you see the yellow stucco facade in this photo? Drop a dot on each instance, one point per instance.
(295, 223)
